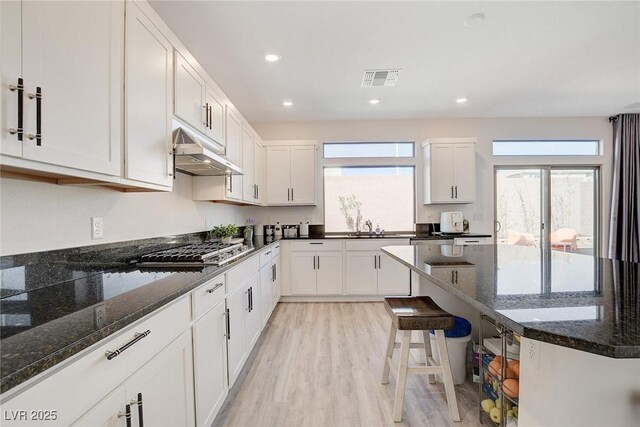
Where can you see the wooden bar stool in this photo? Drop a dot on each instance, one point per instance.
(418, 314)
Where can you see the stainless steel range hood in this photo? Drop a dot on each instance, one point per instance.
(199, 156)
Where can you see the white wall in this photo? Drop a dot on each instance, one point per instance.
(39, 216)
(486, 130)
(564, 387)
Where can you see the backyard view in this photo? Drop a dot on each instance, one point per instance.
(519, 201)
(383, 195)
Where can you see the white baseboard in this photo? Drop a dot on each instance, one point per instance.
(332, 298)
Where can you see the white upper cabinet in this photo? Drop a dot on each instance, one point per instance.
(148, 97)
(234, 137)
(215, 117)
(248, 179)
(72, 114)
(11, 66)
(449, 170)
(291, 175)
(189, 94)
(260, 171)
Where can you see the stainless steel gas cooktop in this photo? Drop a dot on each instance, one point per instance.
(197, 254)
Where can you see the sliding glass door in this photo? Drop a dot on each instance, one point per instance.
(554, 209)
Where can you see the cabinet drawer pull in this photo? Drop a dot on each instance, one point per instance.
(20, 88)
(137, 337)
(268, 253)
(215, 288)
(316, 243)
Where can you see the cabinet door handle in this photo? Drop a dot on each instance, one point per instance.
(456, 277)
(251, 297)
(173, 154)
(228, 323)
(38, 97)
(210, 117)
(288, 194)
(314, 262)
(452, 278)
(456, 191)
(375, 262)
(231, 183)
(292, 198)
(20, 88)
(257, 191)
(140, 411)
(275, 272)
(379, 262)
(452, 191)
(206, 115)
(137, 337)
(318, 262)
(126, 414)
(215, 288)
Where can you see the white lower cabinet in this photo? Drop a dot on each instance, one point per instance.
(254, 319)
(362, 273)
(277, 282)
(371, 272)
(316, 273)
(108, 413)
(237, 304)
(163, 388)
(210, 364)
(266, 291)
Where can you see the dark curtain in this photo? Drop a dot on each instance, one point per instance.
(624, 231)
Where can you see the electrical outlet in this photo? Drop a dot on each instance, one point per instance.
(97, 228)
(533, 353)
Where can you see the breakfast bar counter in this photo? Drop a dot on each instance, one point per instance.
(578, 316)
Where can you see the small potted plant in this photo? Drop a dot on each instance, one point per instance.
(225, 232)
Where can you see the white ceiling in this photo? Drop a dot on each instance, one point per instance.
(526, 59)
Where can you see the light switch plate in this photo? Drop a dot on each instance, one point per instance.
(97, 228)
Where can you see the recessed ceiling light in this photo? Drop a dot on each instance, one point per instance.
(272, 57)
(461, 100)
(374, 101)
(474, 20)
(287, 103)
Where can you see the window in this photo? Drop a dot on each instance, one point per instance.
(343, 150)
(383, 194)
(527, 147)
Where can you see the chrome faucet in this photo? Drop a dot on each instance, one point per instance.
(369, 225)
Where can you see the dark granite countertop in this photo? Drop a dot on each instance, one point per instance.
(57, 303)
(587, 303)
(411, 236)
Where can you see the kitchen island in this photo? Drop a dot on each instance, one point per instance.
(578, 315)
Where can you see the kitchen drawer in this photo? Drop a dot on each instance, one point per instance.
(79, 385)
(317, 245)
(374, 244)
(238, 275)
(473, 241)
(208, 296)
(276, 250)
(266, 256)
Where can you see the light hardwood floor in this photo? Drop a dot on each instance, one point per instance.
(319, 364)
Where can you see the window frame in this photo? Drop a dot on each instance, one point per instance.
(413, 145)
(344, 162)
(600, 145)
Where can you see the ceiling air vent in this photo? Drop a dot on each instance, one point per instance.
(380, 78)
